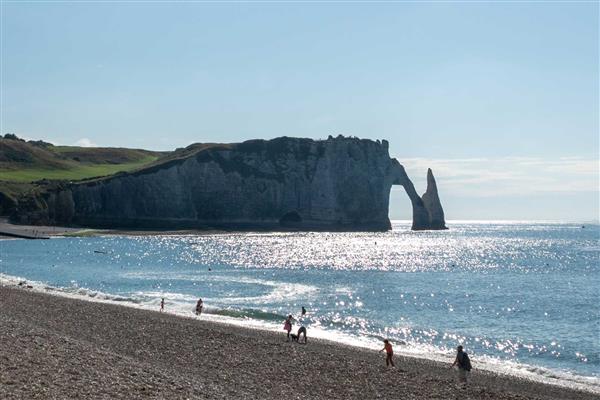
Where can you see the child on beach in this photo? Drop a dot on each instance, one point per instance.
(162, 304)
(387, 346)
(287, 326)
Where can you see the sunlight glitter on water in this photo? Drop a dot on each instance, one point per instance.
(513, 294)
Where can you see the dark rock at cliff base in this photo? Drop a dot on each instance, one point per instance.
(279, 184)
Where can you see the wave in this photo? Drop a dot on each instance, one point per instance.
(594, 249)
(248, 313)
(278, 290)
(183, 305)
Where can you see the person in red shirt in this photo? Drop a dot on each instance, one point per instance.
(387, 346)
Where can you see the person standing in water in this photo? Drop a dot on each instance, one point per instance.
(199, 306)
(389, 359)
(162, 304)
(303, 310)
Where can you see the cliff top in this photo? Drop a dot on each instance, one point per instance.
(27, 161)
(271, 148)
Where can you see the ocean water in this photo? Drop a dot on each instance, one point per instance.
(521, 297)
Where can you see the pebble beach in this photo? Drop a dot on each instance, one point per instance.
(54, 347)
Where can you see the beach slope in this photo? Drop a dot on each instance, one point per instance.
(53, 347)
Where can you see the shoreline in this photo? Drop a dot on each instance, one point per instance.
(7, 229)
(543, 375)
(102, 316)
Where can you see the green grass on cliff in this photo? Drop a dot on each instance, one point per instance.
(22, 161)
(75, 172)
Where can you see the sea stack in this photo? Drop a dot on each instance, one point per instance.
(432, 204)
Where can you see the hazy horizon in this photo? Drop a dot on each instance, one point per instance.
(499, 99)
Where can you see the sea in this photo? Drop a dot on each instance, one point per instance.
(521, 297)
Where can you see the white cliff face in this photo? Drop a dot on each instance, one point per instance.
(284, 183)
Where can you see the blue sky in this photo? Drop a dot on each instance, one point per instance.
(500, 99)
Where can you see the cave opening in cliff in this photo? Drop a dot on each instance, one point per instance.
(290, 219)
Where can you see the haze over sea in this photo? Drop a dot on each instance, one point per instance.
(520, 296)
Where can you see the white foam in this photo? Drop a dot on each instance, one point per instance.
(279, 291)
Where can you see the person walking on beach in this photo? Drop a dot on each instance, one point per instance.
(463, 365)
(287, 326)
(199, 306)
(162, 304)
(389, 359)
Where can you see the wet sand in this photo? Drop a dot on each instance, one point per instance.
(8, 230)
(54, 347)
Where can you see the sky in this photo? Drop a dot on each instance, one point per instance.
(500, 99)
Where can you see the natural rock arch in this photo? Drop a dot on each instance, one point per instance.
(427, 209)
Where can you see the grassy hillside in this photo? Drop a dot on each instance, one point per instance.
(30, 169)
(22, 161)
(75, 173)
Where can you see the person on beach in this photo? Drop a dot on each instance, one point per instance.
(463, 365)
(302, 331)
(162, 304)
(287, 326)
(199, 306)
(389, 359)
(303, 310)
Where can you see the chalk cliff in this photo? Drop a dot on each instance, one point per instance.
(285, 183)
